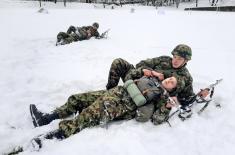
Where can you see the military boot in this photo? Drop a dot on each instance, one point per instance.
(58, 134)
(37, 142)
(39, 118)
(185, 113)
(61, 42)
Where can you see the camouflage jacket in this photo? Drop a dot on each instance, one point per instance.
(84, 31)
(163, 64)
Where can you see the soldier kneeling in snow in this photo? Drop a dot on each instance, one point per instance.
(78, 34)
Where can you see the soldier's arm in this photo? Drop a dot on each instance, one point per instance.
(133, 74)
(84, 28)
(186, 95)
(148, 63)
(97, 34)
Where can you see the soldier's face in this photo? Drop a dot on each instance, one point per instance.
(169, 83)
(178, 61)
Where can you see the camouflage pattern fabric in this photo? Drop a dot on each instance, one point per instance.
(77, 34)
(78, 102)
(67, 38)
(119, 69)
(71, 29)
(183, 51)
(93, 31)
(122, 69)
(113, 104)
(160, 115)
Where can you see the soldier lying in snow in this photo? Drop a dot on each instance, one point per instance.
(160, 67)
(78, 34)
(100, 107)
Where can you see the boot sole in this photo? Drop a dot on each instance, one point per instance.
(36, 144)
(31, 107)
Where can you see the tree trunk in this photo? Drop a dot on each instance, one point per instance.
(64, 3)
(40, 3)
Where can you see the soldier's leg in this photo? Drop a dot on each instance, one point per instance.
(71, 29)
(119, 69)
(102, 111)
(75, 103)
(62, 35)
(78, 102)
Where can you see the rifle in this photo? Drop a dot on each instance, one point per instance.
(104, 34)
(211, 89)
(15, 150)
(198, 99)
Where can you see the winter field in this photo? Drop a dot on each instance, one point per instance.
(34, 71)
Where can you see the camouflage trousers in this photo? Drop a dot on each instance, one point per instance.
(96, 108)
(67, 38)
(77, 102)
(119, 69)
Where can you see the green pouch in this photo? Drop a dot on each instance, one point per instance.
(135, 93)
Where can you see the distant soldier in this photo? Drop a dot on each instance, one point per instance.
(78, 34)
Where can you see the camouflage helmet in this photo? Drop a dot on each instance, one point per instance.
(183, 51)
(95, 25)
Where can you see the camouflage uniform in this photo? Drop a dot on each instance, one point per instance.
(122, 69)
(163, 64)
(100, 107)
(77, 34)
(78, 102)
(96, 108)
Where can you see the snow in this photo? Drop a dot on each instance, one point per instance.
(35, 71)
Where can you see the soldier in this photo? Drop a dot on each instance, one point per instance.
(160, 67)
(101, 107)
(78, 34)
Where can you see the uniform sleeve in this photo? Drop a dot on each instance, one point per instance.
(148, 63)
(84, 28)
(97, 34)
(186, 95)
(134, 74)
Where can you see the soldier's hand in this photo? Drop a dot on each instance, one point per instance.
(169, 105)
(160, 76)
(147, 72)
(172, 103)
(204, 93)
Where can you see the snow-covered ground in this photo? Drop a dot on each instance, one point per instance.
(34, 71)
